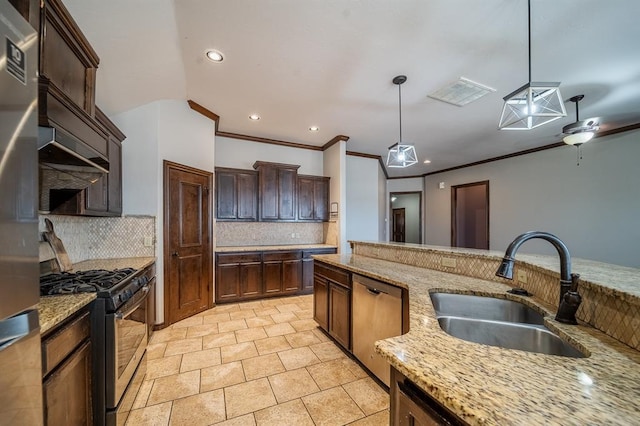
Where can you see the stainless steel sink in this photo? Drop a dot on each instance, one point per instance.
(487, 308)
(498, 322)
(524, 337)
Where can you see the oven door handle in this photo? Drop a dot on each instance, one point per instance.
(119, 315)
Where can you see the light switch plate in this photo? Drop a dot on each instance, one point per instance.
(148, 241)
(522, 277)
(449, 262)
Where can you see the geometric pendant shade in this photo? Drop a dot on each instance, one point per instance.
(532, 105)
(401, 155)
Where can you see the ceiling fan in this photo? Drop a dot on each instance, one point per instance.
(581, 131)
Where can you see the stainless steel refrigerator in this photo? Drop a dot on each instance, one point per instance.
(20, 359)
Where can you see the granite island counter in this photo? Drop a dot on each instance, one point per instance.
(490, 385)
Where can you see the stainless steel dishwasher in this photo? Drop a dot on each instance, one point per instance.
(377, 315)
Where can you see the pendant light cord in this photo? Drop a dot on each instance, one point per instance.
(529, 23)
(400, 109)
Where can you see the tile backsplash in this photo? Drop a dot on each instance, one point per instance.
(104, 237)
(268, 233)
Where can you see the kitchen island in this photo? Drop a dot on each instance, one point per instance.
(483, 384)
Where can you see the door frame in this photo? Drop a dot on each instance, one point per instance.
(454, 202)
(393, 223)
(167, 166)
(420, 219)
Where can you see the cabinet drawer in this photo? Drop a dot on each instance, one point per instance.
(56, 347)
(336, 275)
(225, 259)
(281, 255)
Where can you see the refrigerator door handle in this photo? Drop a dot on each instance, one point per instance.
(14, 329)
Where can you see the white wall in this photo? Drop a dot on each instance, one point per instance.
(335, 166)
(594, 208)
(162, 130)
(241, 154)
(363, 208)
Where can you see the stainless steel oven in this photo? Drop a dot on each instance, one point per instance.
(126, 342)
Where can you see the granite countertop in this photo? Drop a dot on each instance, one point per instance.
(53, 310)
(487, 385)
(273, 248)
(622, 281)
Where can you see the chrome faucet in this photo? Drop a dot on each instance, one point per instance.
(568, 281)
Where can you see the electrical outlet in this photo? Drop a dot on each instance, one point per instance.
(297, 235)
(448, 262)
(522, 276)
(293, 235)
(148, 241)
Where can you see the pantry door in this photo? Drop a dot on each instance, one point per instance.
(188, 261)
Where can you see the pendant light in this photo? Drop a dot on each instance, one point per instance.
(401, 154)
(533, 104)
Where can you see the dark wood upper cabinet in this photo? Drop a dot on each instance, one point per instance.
(271, 192)
(66, 100)
(277, 190)
(236, 194)
(313, 198)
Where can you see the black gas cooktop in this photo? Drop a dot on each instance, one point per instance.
(93, 281)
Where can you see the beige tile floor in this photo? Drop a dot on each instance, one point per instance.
(255, 363)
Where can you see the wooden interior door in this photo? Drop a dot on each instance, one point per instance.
(187, 241)
(399, 225)
(470, 215)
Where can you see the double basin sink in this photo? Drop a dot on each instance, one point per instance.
(498, 322)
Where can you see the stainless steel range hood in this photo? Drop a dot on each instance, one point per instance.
(67, 166)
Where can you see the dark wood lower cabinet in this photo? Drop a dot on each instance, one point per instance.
(238, 276)
(411, 406)
(332, 290)
(340, 314)
(252, 275)
(307, 267)
(66, 360)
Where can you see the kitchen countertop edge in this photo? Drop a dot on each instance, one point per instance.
(232, 249)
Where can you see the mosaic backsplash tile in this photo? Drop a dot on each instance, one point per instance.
(104, 237)
(608, 311)
(268, 233)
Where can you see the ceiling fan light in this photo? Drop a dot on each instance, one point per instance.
(578, 138)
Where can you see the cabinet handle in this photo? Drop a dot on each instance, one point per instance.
(174, 254)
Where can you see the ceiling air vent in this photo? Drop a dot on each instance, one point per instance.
(461, 92)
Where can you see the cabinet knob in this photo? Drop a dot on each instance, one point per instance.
(174, 254)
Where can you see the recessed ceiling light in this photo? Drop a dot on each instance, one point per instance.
(314, 128)
(427, 161)
(254, 117)
(214, 56)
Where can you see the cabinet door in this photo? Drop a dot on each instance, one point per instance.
(247, 196)
(340, 314)
(287, 194)
(67, 392)
(250, 279)
(306, 198)
(307, 275)
(227, 282)
(226, 203)
(272, 276)
(115, 177)
(321, 301)
(269, 193)
(291, 275)
(97, 195)
(321, 199)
